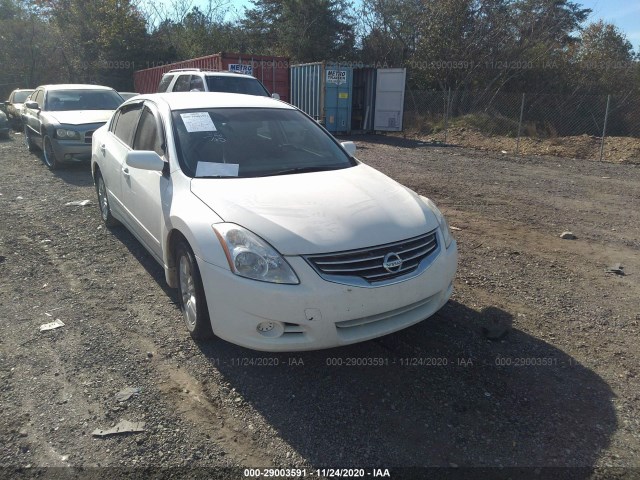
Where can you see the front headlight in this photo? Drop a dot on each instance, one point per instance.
(65, 134)
(442, 222)
(251, 257)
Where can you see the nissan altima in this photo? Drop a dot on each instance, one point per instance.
(276, 237)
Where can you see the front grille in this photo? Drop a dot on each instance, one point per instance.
(367, 264)
(88, 136)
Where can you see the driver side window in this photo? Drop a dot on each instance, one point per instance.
(126, 123)
(148, 137)
(38, 98)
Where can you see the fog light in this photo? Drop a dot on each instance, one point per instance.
(270, 329)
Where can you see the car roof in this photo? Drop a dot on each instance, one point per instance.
(75, 86)
(209, 73)
(196, 100)
(24, 90)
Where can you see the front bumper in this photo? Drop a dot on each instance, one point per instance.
(71, 151)
(318, 314)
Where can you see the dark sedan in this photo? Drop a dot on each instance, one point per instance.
(60, 120)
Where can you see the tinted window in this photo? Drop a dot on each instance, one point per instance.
(126, 123)
(164, 83)
(231, 84)
(147, 136)
(182, 84)
(254, 141)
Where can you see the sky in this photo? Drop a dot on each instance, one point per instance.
(624, 14)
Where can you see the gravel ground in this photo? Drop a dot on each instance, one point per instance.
(533, 362)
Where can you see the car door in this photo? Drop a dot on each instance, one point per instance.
(32, 116)
(144, 191)
(113, 146)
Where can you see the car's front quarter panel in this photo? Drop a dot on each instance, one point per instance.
(190, 218)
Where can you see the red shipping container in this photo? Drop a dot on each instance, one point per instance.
(273, 72)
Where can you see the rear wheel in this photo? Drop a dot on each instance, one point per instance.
(103, 202)
(49, 154)
(193, 303)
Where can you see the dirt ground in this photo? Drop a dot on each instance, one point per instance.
(616, 149)
(531, 370)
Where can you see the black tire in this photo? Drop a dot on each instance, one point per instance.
(49, 154)
(193, 303)
(28, 141)
(103, 202)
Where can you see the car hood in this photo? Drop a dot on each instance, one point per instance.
(81, 117)
(319, 212)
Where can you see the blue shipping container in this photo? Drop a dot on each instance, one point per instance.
(323, 91)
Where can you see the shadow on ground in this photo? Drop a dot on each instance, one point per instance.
(444, 395)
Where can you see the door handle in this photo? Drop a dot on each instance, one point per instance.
(125, 171)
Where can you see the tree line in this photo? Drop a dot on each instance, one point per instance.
(464, 45)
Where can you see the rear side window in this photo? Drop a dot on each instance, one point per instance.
(164, 83)
(148, 137)
(182, 84)
(126, 123)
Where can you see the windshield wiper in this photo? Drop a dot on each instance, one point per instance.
(289, 171)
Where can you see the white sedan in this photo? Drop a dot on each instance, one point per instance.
(277, 238)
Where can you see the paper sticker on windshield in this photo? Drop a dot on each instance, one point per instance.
(210, 169)
(198, 122)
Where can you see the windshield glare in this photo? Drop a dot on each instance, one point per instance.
(66, 100)
(253, 142)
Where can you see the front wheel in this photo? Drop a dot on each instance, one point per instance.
(49, 154)
(103, 202)
(193, 303)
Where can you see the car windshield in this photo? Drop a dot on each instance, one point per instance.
(20, 97)
(253, 142)
(65, 100)
(232, 84)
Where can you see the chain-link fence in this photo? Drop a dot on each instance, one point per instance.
(581, 126)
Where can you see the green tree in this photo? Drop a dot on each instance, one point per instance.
(28, 52)
(604, 59)
(305, 30)
(100, 41)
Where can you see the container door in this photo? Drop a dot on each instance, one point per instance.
(338, 85)
(389, 99)
(306, 89)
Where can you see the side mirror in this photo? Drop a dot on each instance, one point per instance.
(276, 96)
(32, 105)
(145, 160)
(350, 147)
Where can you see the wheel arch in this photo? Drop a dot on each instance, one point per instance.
(174, 237)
